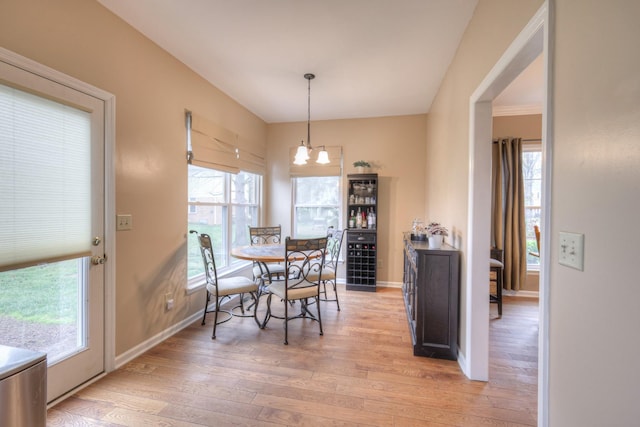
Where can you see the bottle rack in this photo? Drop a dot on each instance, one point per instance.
(362, 238)
(362, 201)
(361, 261)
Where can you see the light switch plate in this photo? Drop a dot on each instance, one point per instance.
(571, 251)
(124, 222)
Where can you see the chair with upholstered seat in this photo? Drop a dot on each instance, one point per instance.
(303, 275)
(220, 288)
(263, 271)
(330, 270)
(496, 267)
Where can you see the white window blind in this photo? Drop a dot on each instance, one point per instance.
(45, 180)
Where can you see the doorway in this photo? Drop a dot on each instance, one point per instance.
(530, 43)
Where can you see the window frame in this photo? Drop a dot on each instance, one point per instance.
(227, 205)
(529, 148)
(295, 180)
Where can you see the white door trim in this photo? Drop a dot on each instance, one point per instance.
(532, 40)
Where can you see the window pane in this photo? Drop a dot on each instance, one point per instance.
(242, 218)
(222, 205)
(206, 185)
(318, 190)
(532, 175)
(314, 221)
(208, 220)
(39, 308)
(317, 205)
(244, 188)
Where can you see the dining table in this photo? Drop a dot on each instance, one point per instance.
(270, 252)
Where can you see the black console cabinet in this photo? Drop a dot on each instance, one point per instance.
(430, 287)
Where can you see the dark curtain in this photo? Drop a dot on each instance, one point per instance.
(508, 225)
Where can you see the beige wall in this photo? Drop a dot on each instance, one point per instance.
(152, 90)
(596, 191)
(494, 25)
(525, 127)
(395, 147)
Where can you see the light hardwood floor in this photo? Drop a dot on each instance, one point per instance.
(360, 373)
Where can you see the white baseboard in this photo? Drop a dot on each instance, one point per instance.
(462, 362)
(136, 351)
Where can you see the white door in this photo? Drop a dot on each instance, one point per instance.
(52, 225)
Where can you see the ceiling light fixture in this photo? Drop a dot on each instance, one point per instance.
(302, 155)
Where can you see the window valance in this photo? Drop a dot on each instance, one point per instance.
(212, 146)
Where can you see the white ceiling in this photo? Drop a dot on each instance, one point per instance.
(525, 94)
(371, 57)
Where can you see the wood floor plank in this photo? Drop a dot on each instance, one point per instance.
(361, 372)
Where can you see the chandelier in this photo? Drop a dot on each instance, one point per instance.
(302, 155)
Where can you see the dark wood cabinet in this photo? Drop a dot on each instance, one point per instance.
(362, 211)
(431, 294)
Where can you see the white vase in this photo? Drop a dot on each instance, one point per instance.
(435, 241)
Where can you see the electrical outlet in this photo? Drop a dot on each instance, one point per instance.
(571, 251)
(379, 264)
(168, 301)
(124, 222)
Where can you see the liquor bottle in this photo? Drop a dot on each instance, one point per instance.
(370, 219)
(352, 220)
(359, 219)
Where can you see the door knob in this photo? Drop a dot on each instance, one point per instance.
(97, 260)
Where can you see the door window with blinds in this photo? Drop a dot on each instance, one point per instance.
(45, 221)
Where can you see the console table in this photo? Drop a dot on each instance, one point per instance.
(430, 287)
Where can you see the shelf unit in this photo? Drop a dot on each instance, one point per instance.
(362, 241)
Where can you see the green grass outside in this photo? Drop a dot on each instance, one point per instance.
(46, 294)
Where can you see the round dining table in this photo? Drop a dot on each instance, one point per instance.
(272, 252)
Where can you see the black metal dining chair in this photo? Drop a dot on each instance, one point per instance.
(304, 260)
(330, 270)
(266, 272)
(220, 288)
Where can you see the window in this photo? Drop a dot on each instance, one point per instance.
(222, 205)
(532, 174)
(316, 205)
